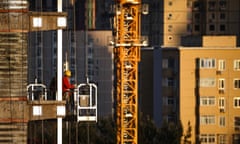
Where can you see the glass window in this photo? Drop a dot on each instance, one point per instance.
(222, 138)
(237, 83)
(222, 121)
(221, 84)
(168, 82)
(222, 16)
(221, 65)
(211, 5)
(197, 27)
(221, 103)
(196, 5)
(207, 139)
(207, 119)
(197, 16)
(236, 64)
(207, 63)
(222, 4)
(207, 100)
(236, 101)
(170, 101)
(207, 82)
(168, 63)
(222, 27)
(212, 27)
(237, 123)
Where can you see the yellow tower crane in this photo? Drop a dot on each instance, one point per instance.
(127, 42)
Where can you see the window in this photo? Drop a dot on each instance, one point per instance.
(237, 83)
(197, 16)
(236, 139)
(222, 121)
(207, 63)
(222, 138)
(221, 65)
(196, 5)
(212, 27)
(236, 101)
(221, 103)
(207, 101)
(207, 119)
(170, 101)
(168, 63)
(221, 84)
(237, 123)
(236, 64)
(222, 16)
(189, 28)
(222, 27)
(222, 4)
(211, 5)
(197, 27)
(207, 138)
(212, 16)
(207, 82)
(168, 82)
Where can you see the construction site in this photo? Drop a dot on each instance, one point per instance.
(138, 72)
(26, 107)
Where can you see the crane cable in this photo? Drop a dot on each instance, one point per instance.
(75, 49)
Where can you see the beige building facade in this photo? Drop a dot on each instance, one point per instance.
(209, 91)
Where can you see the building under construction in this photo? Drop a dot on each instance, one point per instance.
(16, 111)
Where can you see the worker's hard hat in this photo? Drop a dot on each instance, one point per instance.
(67, 73)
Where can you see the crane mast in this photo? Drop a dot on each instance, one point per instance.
(127, 56)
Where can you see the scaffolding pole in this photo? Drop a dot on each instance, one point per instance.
(59, 74)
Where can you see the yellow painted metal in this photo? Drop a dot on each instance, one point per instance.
(127, 56)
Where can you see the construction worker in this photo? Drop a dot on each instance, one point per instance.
(67, 86)
(68, 90)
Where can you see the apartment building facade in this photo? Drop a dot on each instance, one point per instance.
(198, 86)
(209, 90)
(170, 22)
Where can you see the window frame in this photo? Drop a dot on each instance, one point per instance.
(222, 121)
(207, 120)
(236, 65)
(236, 102)
(221, 84)
(221, 103)
(207, 101)
(207, 82)
(208, 138)
(221, 65)
(207, 63)
(236, 82)
(237, 123)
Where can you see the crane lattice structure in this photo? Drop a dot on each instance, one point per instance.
(127, 55)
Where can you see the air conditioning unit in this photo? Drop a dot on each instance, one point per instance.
(218, 72)
(222, 110)
(221, 91)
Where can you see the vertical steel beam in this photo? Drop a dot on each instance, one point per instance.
(127, 56)
(59, 74)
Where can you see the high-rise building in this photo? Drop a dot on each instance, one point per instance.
(198, 86)
(170, 22)
(193, 40)
(209, 90)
